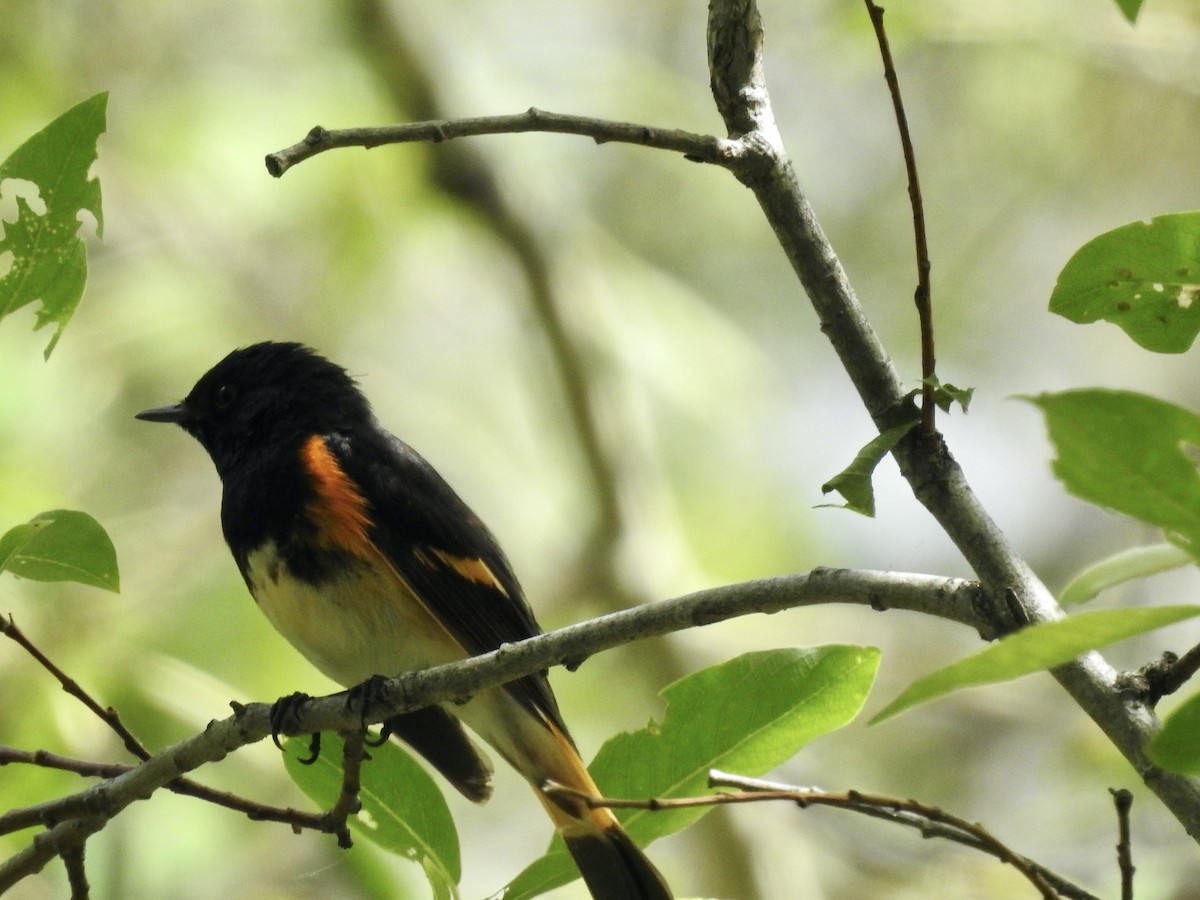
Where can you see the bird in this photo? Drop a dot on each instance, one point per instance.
(365, 559)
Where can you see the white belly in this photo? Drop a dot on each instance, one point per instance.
(361, 624)
(351, 627)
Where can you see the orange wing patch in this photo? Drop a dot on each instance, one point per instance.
(471, 568)
(339, 510)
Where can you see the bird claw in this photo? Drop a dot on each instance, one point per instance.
(363, 697)
(284, 711)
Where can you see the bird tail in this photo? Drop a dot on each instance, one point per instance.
(612, 865)
(440, 738)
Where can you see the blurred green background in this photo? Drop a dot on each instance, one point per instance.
(716, 408)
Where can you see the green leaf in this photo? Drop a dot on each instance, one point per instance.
(402, 809)
(1136, 562)
(747, 715)
(1038, 647)
(946, 395)
(854, 482)
(42, 256)
(1144, 277)
(1131, 453)
(61, 545)
(1177, 746)
(1130, 8)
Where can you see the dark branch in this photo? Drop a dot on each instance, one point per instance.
(1123, 800)
(107, 715)
(354, 750)
(1163, 677)
(923, 295)
(930, 821)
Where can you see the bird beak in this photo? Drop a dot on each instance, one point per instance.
(174, 414)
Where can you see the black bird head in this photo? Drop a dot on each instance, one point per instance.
(268, 394)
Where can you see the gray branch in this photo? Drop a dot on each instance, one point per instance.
(72, 819)
(696, 147)
(937, 481)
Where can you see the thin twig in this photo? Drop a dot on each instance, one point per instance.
(1123, 800)
(14, 820)
(931, 821)
(695, 147)
(63, 808)
(1183, 670)
(923, 295)
(107, 715)
(354, 750)
(1164, 676)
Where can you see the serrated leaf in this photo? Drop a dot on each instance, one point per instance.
(61, 545)
(854, 482)
(747, 715)
(402, 809)
(1136, 562)
(1132, 453)
(1177, 746)
(1038, 647)
(42, 257)
(1143, 277)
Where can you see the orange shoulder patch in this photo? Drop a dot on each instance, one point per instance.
(469, 567)
(339, 509)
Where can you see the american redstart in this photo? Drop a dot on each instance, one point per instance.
(366, 560)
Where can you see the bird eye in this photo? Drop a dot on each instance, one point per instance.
(226, 394)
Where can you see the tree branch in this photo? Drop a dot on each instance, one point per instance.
(1123, 800)
(108, 716)
(66, 807)
(73, 819)
(695, 147)
(952, 599)
(931, 821)
(739, 88)
(923, 294)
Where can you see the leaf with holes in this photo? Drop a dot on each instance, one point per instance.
(1143, 277)
(44, 187)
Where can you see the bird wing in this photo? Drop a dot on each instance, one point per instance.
(443, 551)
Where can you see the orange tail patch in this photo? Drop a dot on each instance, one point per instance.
(612, 865)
